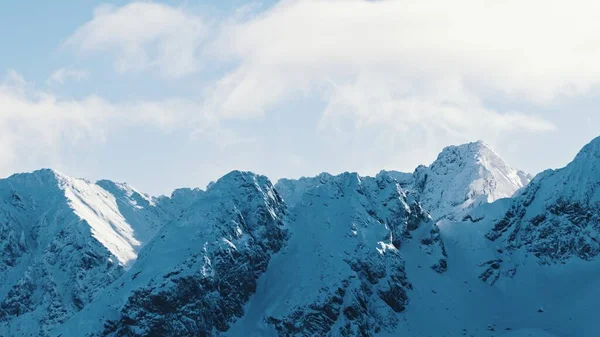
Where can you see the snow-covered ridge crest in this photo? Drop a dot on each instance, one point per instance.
(195, 276)
(558, 215)
(316, 256)
(100, 210)
(342, 272)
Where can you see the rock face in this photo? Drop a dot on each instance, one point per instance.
(62, 240)
(194, 278)
(557, 216)
(462, 178)
(324, 258)
(342, 272)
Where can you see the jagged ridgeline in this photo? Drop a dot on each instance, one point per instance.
(464, 247)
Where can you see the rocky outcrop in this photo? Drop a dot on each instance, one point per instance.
(359, 284)
(55, 257)
(558, 215)
(211, 260)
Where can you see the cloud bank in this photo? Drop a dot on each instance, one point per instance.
(382, 72)
(34, 124)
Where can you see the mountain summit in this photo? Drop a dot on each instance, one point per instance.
(463, 177)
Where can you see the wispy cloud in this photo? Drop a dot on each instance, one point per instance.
(405, 47)
(35, 124)
(486, 44)
(144, 35)
(383, 72)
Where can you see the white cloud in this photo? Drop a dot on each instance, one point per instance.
(402, 76)
(144, 35)
(61, 75)
(396, 52)
(36, 125)
(402, 54)
(443, 107)
(513, 46)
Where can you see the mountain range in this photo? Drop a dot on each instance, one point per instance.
(467, 246)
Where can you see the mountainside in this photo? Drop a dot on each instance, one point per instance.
(537, 252)
(61, 241)
(195, 276)
(557, 217)
(464, 247)
(342, 272)
(238, 255)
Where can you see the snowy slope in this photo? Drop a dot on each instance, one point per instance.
(557, 217)
(195, 276)
(62, 240)
(538, 252)
(461, 178)
(341, 273)
(528, 333)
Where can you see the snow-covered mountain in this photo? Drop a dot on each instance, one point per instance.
(196, 275)
(342, 272)
(537, 251)
(464, 247)
(462, 178)
(557, 217)
(61, 241)
(239, 262)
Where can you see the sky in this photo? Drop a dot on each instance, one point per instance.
(168, 94)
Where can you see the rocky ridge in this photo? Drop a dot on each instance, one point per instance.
(329, 255)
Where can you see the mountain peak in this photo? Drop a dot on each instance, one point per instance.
(465, 176)
(41, 176)
(472, 146)
(579, 181)
(477, 152)
(589, 151)
(478, 145)
(238, 179)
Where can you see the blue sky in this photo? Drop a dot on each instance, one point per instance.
(177, 93)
